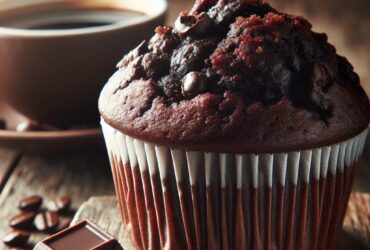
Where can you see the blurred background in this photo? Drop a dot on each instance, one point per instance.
(347, 23)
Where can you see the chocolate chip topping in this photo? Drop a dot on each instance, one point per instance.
(193, 83)
(263, 58)
(194, 26)
(246, 50)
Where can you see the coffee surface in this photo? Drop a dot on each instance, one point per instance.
(68, 25)
(67, 18)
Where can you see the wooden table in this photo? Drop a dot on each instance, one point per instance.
(83, 176)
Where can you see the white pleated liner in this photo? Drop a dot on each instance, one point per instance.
(178, 193)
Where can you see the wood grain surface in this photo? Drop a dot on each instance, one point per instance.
(8, 160)
(354, 236)
(51, 176)
(356, 231)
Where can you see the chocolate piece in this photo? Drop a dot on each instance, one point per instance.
(16, 238)
(23, 220)
(194, 26)
(194, 83)
(31, 203)
(2, 124)
(60, 205)
(83, 236)
(46, 221)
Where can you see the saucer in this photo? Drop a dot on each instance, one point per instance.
(63, 141)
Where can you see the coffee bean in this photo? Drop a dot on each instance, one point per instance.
(2, 124)
(16, 238)
(31, 203)
(193, 83)
(46, 221)
(23, 220)
(60, 205)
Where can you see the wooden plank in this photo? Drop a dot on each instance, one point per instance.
(8, 159)
(362, 183)
(357, 223)
(355, 234)
(77, 176)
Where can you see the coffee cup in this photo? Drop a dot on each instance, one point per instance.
(57, 54)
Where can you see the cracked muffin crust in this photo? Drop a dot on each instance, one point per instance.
(236, 76)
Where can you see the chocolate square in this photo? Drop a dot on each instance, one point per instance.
(85, 235)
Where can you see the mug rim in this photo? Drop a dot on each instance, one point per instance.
(152, 9)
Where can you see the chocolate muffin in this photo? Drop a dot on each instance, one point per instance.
(238, 128)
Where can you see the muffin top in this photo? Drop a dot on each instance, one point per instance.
(236, 76)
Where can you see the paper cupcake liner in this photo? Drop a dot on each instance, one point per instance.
(176, 199)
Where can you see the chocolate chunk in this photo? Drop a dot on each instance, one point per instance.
(16, 238)
(163, 41)
(31, 203)
(171, 87)
(2, 124)
(184, 22)
(193, 84)
(191, 56)
(60, 205)
(23, 220)
(193, 26)
(83, 236)
(46, 221)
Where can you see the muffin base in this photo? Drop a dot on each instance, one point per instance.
(176, 199)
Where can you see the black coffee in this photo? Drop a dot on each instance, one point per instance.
(68, 18)
(68, 25)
